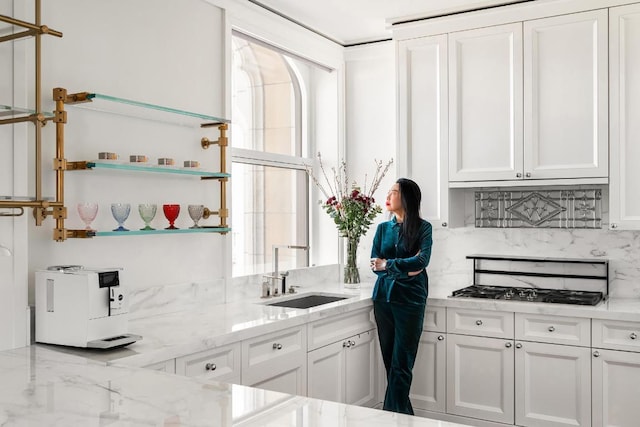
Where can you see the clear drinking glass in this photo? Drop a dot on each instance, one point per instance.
(195, 212)
(147, 213)
(87, 212)
(120, 212)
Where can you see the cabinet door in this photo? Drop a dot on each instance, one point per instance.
(422, 123)
(615, 376)
(565, 96)
(360, 374)
(429, 373)
(485, 103)
(326, 367)
(553, 386)
(276, 361)
(624, 48)
(220, 364)
(480, 378)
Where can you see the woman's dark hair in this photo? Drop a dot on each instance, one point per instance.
(411, 196)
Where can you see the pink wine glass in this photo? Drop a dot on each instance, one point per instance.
(87, 212)
(171, 212)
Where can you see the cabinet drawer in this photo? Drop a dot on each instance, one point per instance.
(222, 363)
(269, 355)
(553, 329)
(616, 335)
(435, 319)
(497, 324)
(336, 328)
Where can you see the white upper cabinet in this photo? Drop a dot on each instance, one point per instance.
(422, 124)
(529, 101)
(565, 96)
(624, 46)
(485, 104)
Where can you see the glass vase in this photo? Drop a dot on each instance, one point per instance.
(351, 272)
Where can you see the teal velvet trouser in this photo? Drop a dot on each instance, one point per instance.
(399, 331)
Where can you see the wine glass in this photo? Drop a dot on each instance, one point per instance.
(195, 212)
(171, 212)
(120, 212)
(87, 212)
(147, 213)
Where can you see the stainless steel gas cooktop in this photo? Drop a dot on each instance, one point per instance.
(561, 296)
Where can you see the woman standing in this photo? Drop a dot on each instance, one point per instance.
(400, 253)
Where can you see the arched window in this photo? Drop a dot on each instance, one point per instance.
(269, 184)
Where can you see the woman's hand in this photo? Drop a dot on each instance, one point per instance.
(378, 264)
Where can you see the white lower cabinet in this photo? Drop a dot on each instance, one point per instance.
(220, 364)
(277, 361)
(344, 371)
(342, 358)
(615, 370)
(553, 386)
(480, 378)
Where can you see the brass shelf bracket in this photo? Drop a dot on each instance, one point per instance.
(222, 142)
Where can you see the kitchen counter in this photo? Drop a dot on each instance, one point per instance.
(44, 387)
(52, 385)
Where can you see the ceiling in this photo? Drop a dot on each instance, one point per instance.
(350, 22)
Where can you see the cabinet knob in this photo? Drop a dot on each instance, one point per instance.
(444, 224)
(518, 345)
(596, 354)
(518, 175)
(478, 322)
(440, 337)
(210, 366)
(528, 174)
(633, 336)
(551, 329)
(277, 346)
(614, 225)
(346, 344)
(507, 344)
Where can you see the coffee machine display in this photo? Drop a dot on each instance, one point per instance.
(82, 307)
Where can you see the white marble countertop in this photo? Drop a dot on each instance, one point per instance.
(182, 333)
(43, 387)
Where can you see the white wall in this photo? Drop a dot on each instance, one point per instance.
(370, 125)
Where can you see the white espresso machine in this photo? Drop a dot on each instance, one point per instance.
(82, 307)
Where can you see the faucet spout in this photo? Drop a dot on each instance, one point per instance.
(276, 275)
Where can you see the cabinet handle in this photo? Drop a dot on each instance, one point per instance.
(508, 345)
(210, 366)
(518, 175)
(277, 346)
(478, 322)
(633, 336)
(596, 354)
(551, 329)
(518, 345)
(440, 337)
(528, 174)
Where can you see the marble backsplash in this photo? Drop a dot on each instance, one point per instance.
(449, 268)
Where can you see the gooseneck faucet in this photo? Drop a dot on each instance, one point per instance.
(276, 275)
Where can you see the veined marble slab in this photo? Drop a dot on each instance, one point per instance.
(41, 387)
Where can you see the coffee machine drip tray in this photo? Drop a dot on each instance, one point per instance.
(114, 342)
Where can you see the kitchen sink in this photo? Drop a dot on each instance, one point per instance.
(308, 300)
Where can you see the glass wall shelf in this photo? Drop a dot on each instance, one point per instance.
(11, 112)
(152, 168)
(23, 198)
(163, 231)
(143, 110)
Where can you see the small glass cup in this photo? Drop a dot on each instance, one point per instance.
(120, 212)
(195, 212)
(171, 212)
(147, 213)
(87, 212)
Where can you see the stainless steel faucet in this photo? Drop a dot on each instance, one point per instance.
(276, 275)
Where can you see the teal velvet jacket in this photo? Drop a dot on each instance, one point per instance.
(394, 284)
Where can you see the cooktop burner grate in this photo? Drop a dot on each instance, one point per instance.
(560, 296)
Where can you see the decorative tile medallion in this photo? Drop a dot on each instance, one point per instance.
(539, 209)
